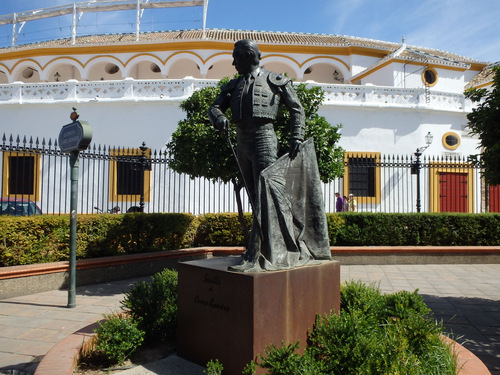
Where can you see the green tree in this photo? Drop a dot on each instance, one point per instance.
(198, 150)
(484, 121)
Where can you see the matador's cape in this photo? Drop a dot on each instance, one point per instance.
(290, 212)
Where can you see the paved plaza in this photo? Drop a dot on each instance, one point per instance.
(466, 297)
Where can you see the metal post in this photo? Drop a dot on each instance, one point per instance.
(205, 9)
(417, 170)
(138, 21)
(73, 25)
(74, 165)
(14, 29)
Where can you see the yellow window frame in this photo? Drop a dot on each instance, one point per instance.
(37, 171)
(113, 173)
(369, 155)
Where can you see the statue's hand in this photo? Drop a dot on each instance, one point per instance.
(222, 123)
(294, 148)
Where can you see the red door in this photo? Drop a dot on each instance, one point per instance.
(494, 198)
(453, 192)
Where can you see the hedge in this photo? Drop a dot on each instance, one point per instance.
(220, 230)
(416, 229)
(39, 239)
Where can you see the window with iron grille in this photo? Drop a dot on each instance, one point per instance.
(362, 176)
(129, 178)
(21, 175)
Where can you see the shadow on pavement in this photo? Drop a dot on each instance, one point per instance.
(473, 323)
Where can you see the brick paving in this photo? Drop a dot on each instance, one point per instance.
(466, 297)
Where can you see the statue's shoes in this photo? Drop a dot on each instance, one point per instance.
(245, 266)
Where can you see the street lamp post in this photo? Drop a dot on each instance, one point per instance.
(144, 167)
(418, 165)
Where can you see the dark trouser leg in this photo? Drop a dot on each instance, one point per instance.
(257, 149)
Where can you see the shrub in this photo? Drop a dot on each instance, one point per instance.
(334, 222)
(35, 239)
(136, 233)
(117, 338)
(357, 296)
(284, 361)
(40, 239)
(373, 334)
(154, 305)
(214, 368)
(415, 229)
(221, 230)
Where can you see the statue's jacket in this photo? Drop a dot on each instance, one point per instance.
(269, 90)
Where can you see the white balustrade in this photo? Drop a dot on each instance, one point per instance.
(179, 89)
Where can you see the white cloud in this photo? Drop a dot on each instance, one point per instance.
(464, 27)
(459, 26)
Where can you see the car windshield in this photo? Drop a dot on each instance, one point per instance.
(18, 208)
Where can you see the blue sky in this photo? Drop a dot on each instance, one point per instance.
(466, 27)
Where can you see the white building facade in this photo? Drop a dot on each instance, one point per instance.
(387, 97)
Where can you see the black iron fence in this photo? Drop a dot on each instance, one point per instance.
(139, 179)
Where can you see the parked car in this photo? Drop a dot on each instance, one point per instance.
(18, 207)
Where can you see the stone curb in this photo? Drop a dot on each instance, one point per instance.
(62, 358)
(46, 268)
(28, 279)
(468, 363)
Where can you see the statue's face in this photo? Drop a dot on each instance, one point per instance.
(243, 60)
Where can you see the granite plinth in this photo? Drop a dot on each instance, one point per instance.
(232, 316)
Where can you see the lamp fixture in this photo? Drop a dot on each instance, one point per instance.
(428, 138)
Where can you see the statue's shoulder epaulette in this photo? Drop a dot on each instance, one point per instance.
(278, 79)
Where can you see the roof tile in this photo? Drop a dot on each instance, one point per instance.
(277, 38)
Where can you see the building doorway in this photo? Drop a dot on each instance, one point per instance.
(451, 187)
(453, 192)
(494, 198)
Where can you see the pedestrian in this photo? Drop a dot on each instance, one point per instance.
(346, 203)
(339, 203)
(353, 205)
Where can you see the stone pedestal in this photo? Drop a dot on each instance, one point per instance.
(233, 316)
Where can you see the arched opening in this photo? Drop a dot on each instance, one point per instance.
(279, 67)
(105, 71)
(184, 68)
(63, 73)
(323, 73)
(146, 70)
(221, 69)
(3, 78)
(28, 74)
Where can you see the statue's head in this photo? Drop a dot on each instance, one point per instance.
(246, 56)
